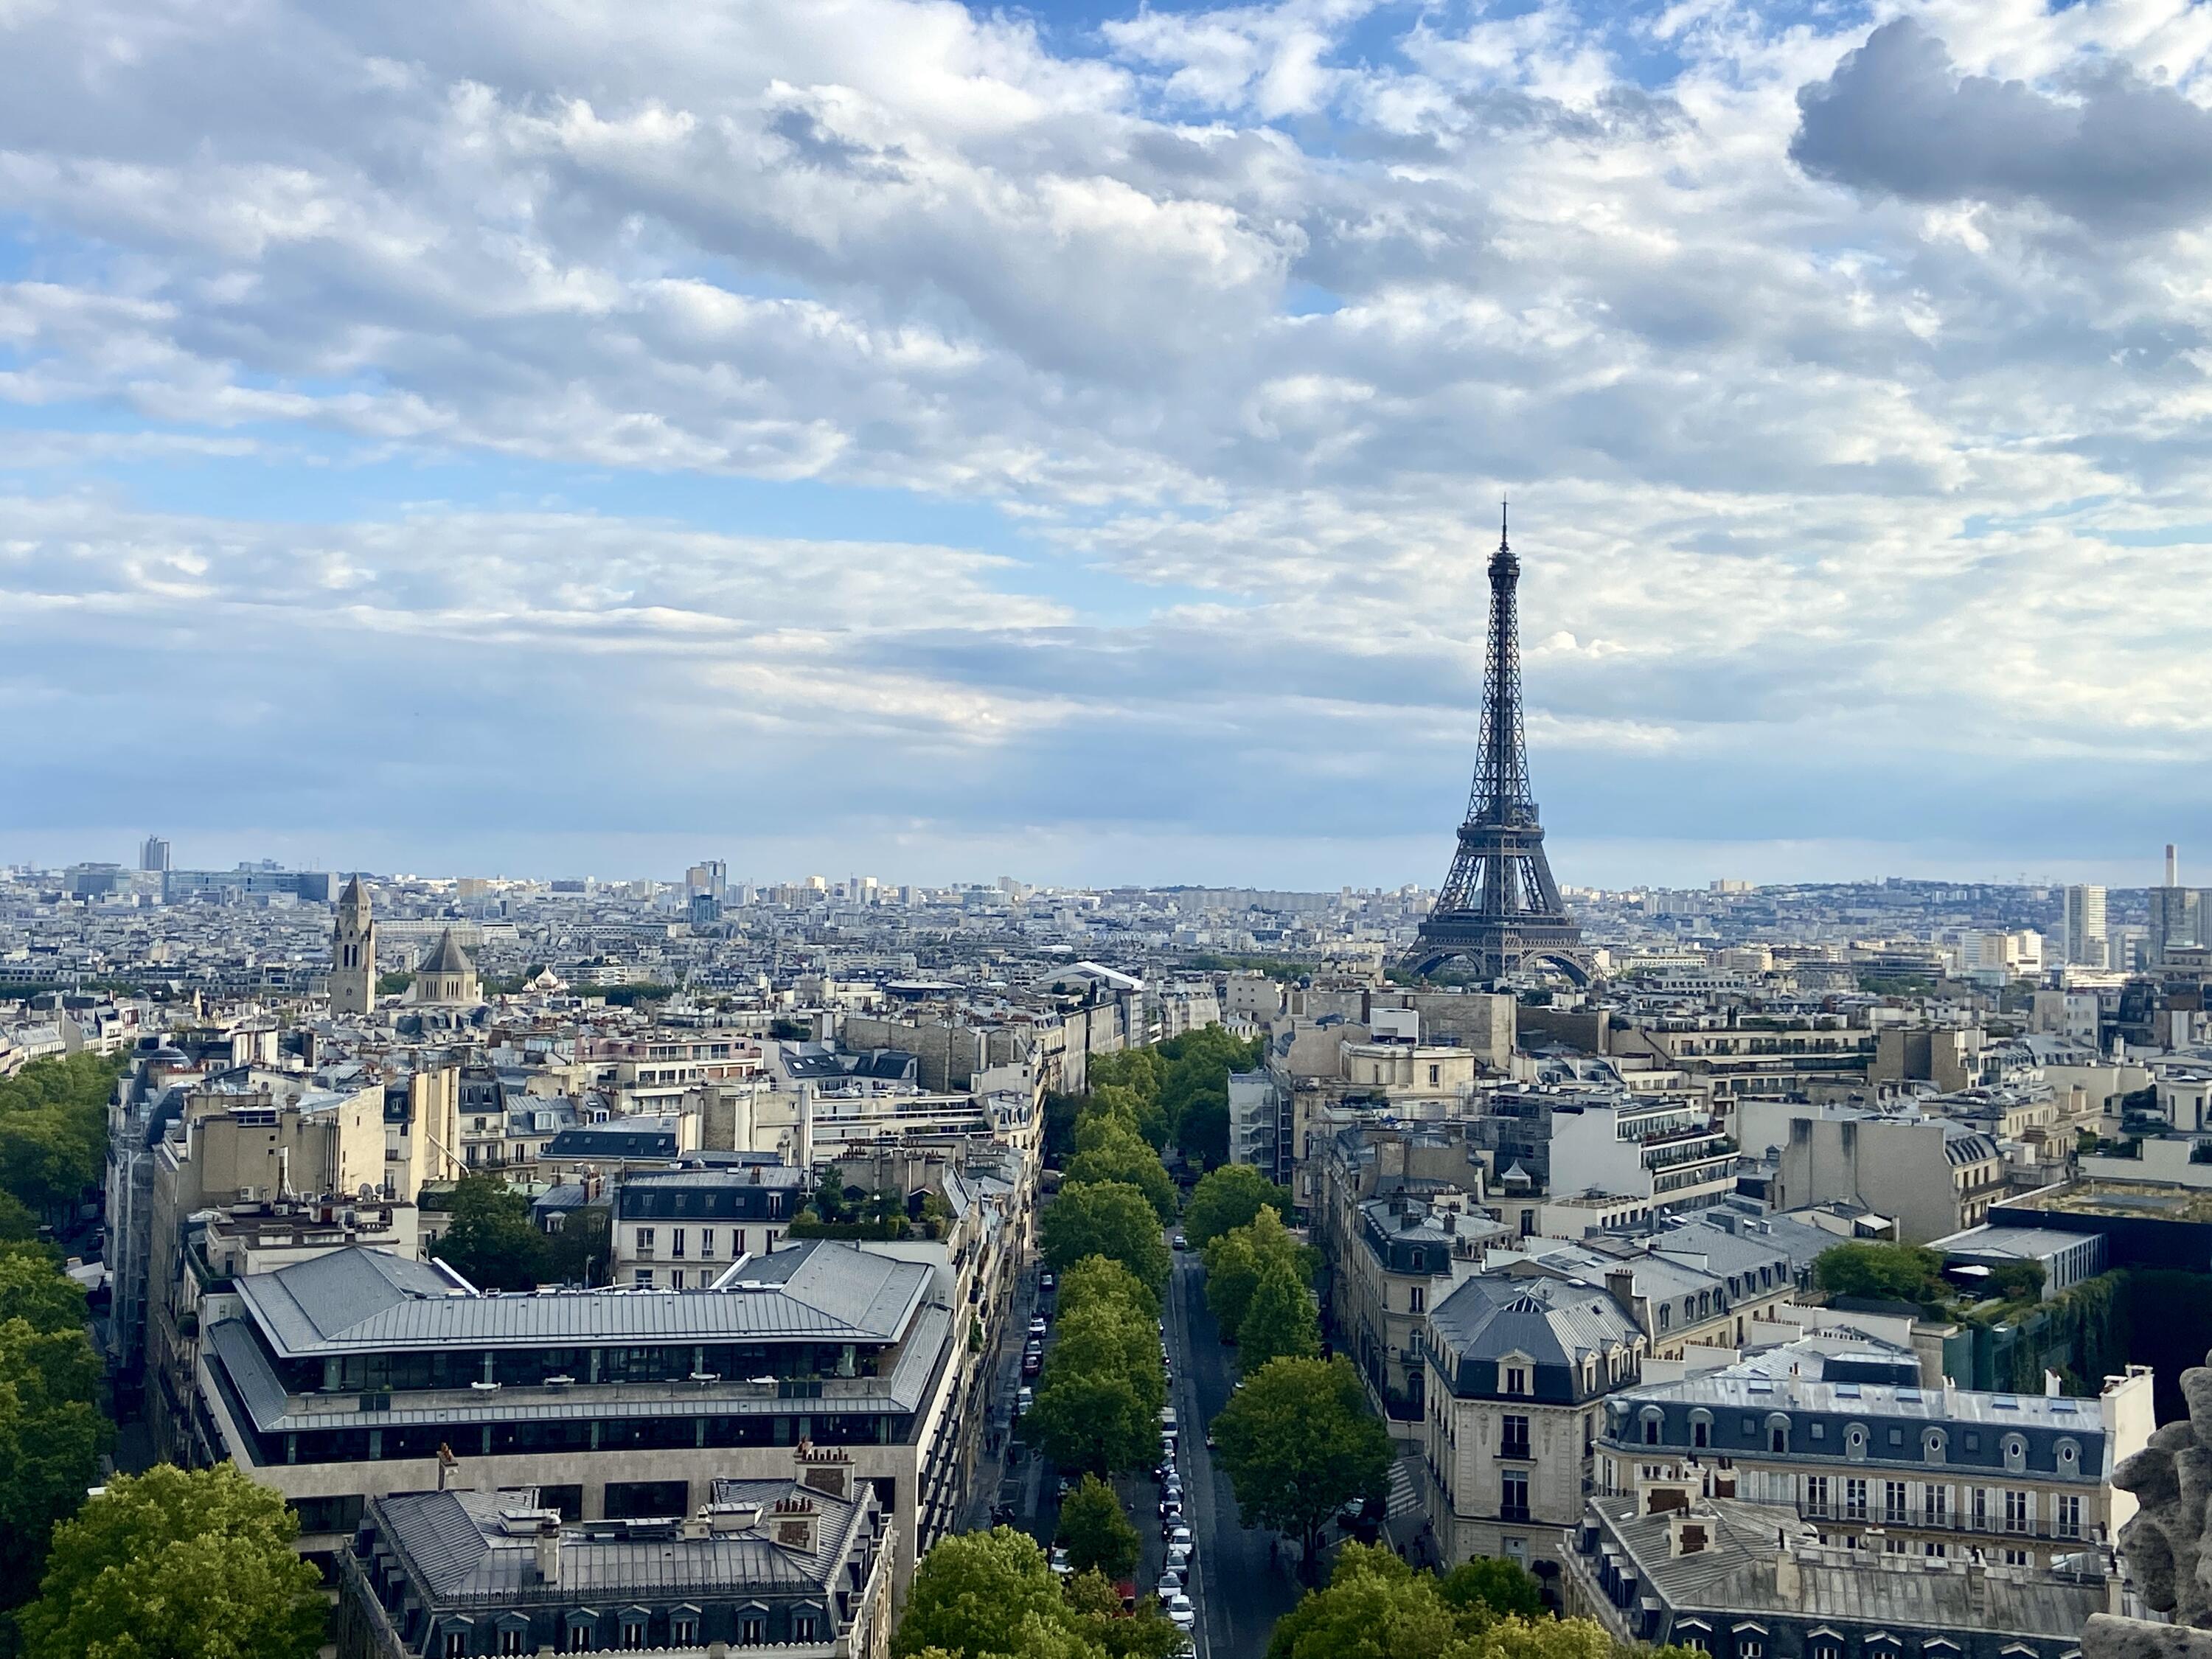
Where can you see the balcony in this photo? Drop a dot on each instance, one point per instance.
(2042, 1529)
(1517, 1450)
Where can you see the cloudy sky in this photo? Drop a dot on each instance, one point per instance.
(880, 435)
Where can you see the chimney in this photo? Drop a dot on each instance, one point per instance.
(2173, 866)
(1789, 1577)
(795, 1523)
(697, 1525)
(825, 1469)
(1978, 1588)
(1688, 1533)
(547, 1551)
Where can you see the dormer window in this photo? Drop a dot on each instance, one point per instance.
(1516, 1379)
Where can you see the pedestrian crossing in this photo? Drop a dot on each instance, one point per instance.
(1405, 1486)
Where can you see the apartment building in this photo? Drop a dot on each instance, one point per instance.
(1518, 1369)
(1838, 1430)
(1936, 1178)
(358, 1374)
(679, 1229)
(800, 1566)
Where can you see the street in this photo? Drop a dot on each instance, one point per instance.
(1239, 1594)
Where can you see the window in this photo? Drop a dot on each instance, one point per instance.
(581, 1636)
(645, 1238)
(1778, 1439)
(457, 1644)
(752, 1629)
(1666, 1314)
(1650, 1430)
(676, 1240)
(1701, 1432)
(1512, 1435)
(1939, 1502)
(2069, 1516)
(683, 1630)
(1749, 1647)
(633, 1633)
(1816, 1494)
(643, 1276)
(1416, 1299)
(1855, 1500)
(1893, 1509)
(2020, 1511)
(676, 1277)
(1517, 1380)
(737, 1241)
(1981, 1508)
(802, 1628)
(1436, 1076)
(511, 1640)
(1513, 1499)
(2015, 1557)
(705, 1243)
(1826, 1650)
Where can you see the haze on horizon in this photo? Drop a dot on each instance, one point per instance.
(936, 442)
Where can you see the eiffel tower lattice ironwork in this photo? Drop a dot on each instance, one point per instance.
(1500, 909)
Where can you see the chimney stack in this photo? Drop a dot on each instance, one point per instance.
(1789, 1577)
(2173, 866)
(547, 1551)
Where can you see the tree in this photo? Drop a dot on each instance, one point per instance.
(973, 1592)
(491, 1242)
(1236, 1260)
(582, 1252)
(1094, 1606)
(1228, 1198)
(1097, 1535)
(1299, 1442)
(53, 1131)
(1117, 1153)
(1280, 1321)
(33, 1288)
(1889, 1273)
(1375, 1605)
(177, 1564)
(1099, 1279)
(1492, 1584)
(1109, 1219)
(1099, 1401)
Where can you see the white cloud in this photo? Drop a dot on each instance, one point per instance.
(1246, 318)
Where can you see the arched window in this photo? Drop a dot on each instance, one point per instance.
(1932, 1445)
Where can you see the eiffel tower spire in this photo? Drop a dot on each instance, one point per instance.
(1499, 908)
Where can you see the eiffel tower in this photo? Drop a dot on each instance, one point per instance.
(1500, 908)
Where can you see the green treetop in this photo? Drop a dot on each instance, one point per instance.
(491, 1241)
(1236, 1260)
(1300, 1442)
(1116, 1153)
(1280, 1321)
(1109, 1219)
(1098, 1537)
(1230, 1197)
(177, 1564)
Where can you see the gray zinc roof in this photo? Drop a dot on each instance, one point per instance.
(358, 1301)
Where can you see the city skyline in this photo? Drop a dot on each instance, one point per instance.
(898, 434)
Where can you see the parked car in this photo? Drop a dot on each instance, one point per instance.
(1023, 1401)
(1059, 1561)
(1032, 1364)
(1176, 1533)
(1180, 1242)
(1036, 1327)
(1046, 1283)
(1179, 1559)
(1181, 1610)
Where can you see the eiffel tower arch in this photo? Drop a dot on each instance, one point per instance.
(1500, 910)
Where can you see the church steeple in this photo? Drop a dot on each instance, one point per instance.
(352, 953)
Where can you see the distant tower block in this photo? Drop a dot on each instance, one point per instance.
(352, 953)
(1500, 910)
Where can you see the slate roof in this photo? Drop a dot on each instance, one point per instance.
(445, 958)
(454, 1548)
(1551, 1320)
(360, 1301)
(1732, 1578)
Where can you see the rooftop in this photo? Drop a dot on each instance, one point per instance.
(2154, 1201)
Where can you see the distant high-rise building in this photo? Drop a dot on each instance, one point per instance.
(2177, 913)
(2085, 927)
(153, 853)
(352, 953)
(709, 876)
